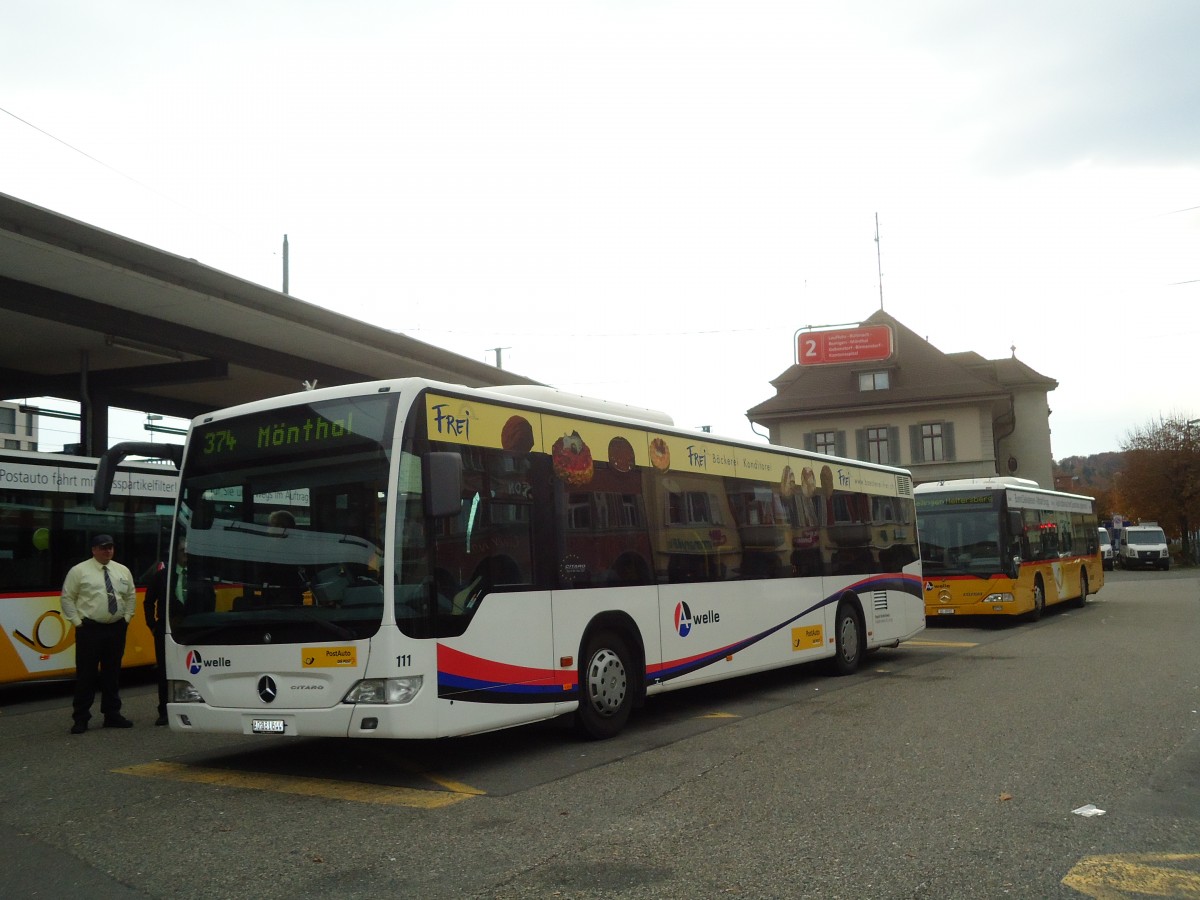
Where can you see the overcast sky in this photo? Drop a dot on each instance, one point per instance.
(645, 200)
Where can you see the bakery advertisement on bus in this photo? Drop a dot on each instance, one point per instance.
(576, 445)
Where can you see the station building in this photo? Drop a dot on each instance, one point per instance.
(880, 392)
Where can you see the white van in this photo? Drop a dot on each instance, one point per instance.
(1144, 544)
(1106, 549)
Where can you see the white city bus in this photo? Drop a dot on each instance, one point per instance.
(409, 559)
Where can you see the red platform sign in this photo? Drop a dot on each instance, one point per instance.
(845, 345)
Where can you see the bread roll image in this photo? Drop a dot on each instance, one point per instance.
(620, 455)
(517, 435)
(660, 455)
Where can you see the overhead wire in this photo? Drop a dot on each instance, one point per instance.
(183, 206)
(84, 153)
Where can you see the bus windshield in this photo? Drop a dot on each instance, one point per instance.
(279, 534)
(959, 534)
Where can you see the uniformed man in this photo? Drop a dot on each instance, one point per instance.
(99, 599)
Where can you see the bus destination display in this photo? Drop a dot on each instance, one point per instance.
(357, 423)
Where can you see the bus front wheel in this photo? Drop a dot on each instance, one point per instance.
(848, 640)
(1039, 600)
(606, 694)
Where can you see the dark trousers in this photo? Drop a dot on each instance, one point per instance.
(160, 656)
(98, 652)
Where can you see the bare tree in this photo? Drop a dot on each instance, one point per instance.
(1161, 477)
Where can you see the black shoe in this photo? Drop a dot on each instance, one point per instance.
(117, 722)
(161, 720)
(79, 728)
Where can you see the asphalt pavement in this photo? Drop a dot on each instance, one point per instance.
(950, 767)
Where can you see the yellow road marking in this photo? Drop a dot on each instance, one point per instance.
(1126, 875)
(310, 787)
(940, 644)
(456, 786)
(720, 715)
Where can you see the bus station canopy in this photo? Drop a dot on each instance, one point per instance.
(90, 316)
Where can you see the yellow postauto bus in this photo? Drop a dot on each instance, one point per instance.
(47, 521)
(1005, 546)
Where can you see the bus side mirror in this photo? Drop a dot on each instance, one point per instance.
(1014, 567)
(106, 468)
(442, 483)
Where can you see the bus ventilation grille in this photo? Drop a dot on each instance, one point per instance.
(904, 485)
(880, 598)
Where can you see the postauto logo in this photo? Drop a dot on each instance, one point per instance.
(195, 662)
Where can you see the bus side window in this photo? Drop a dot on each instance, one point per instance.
(488, 545)
(1017, 545)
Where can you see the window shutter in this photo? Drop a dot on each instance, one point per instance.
(893, 445)
(809, 441)
(860, 443)
(839, 443)
(914, 443)
(948, 440)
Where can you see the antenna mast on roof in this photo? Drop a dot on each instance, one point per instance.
(878, 261)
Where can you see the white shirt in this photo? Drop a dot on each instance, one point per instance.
(85, 596)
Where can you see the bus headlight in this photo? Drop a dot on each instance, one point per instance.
(998, 598)
(183, 692)
(385, 690)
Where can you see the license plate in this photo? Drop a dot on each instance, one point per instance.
(945, 612)
(267, 726)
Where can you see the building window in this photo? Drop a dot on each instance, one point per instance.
(827, 443)
(931, 442)
(10, 444)
(877, 445)
(873, 381)
(8, 420)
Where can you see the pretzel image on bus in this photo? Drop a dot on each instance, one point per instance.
(412, 559)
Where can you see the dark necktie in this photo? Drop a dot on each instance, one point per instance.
(112, 595)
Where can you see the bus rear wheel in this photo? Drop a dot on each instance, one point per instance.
(848, 640)
(606, 694)
(1083, 590)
